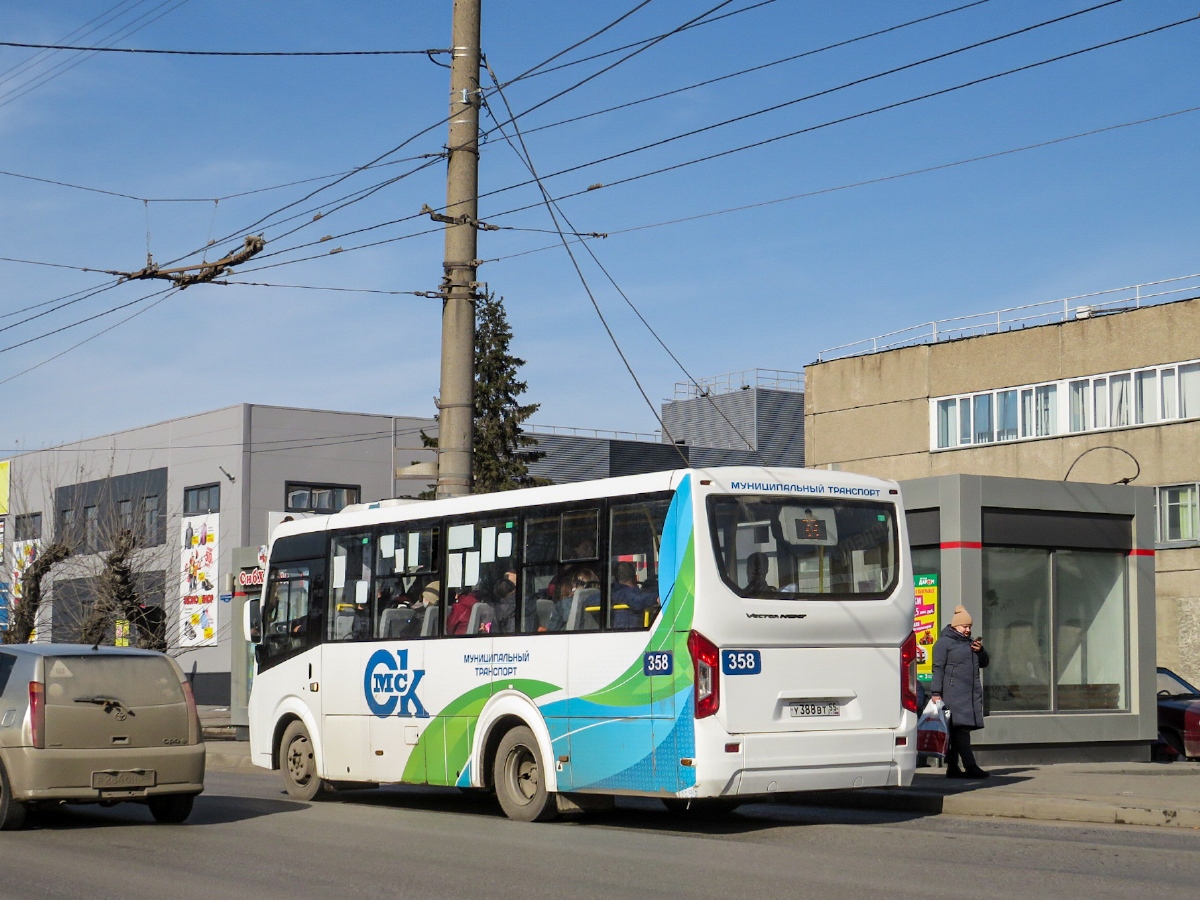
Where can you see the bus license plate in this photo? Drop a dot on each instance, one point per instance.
(815, 708)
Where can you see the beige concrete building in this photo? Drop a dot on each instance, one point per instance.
(1103, 398)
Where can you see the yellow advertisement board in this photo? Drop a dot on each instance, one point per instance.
(4, 466)
(925, 624)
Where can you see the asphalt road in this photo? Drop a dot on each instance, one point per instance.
(247, 839)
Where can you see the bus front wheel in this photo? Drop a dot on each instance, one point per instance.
(518, 775)
(298, 763)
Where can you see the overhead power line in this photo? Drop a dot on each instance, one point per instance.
(122, 32)
(777, 62)
(862, 183)
(551, 206)
(706, 19)
(223, 52)
(749, 146)
(527, 159)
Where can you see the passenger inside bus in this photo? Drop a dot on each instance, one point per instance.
(577, 601)
(631, 603)
(757, 565)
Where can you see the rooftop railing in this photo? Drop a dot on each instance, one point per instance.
(770, 379)
(1081, 306)
(599, 433)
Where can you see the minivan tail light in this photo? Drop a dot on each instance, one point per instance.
(193, 714)
(908, 673)
(37, 714)
(706, 662)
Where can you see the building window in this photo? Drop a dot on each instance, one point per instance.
(1079, 406)
(91, 528)
(66, 525)
(1177, 513)
(199, 500)
(319, 498)
(1145, 397)
(1006, 416)
(28, 527)
(983, 419)
(947, 423)
(1169, 393)
(125, 513)
(150, 519)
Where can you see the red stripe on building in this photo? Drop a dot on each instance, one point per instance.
(1141, 552)
(961, 545)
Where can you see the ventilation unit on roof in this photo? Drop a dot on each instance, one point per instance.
(1083, 312)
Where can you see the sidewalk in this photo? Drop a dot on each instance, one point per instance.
(1107, 793)
(1166, 794)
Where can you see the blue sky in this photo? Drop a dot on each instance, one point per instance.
(768, 287)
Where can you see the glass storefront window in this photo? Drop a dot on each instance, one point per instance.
(1016, 629)
(1089, 633)
(1060, 612)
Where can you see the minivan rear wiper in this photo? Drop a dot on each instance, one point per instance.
(107, 702)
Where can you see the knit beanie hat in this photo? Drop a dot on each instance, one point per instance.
(432, 593)
(961, 617)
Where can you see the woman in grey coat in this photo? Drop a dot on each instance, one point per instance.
(956, 663)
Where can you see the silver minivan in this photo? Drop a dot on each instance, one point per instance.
(83, 724)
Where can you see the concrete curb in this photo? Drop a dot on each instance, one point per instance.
(1004, 805)
(227, 756)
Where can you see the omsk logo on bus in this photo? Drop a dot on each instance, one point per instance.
(388, 684)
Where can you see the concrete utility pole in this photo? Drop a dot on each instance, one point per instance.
(457, 399)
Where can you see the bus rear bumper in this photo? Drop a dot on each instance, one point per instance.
(780, 762)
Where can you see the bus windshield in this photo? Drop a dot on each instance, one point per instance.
(794, 548)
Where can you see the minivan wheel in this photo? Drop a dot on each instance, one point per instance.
(518, 775)
(171, 809)
(298, 763)
(12, 811)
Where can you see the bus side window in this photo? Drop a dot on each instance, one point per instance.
(351, 603)
(561, 584)
(634, 537)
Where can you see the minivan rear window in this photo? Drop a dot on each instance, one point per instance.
(795, 548)
(133, 680)
(7, 661)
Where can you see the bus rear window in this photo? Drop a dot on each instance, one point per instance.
(791, 549)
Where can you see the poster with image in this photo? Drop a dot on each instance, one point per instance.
(22, 556)
(198, 582)
(925, 624)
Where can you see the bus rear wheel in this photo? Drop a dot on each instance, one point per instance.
(518, 775)
(298, 763)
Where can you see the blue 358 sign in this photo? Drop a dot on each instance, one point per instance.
(388, 684)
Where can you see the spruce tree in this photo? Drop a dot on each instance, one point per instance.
(501, 451)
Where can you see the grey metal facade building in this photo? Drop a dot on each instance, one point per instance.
(249, 463)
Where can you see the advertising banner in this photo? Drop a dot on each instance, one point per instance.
(925, 624)
(198, 587)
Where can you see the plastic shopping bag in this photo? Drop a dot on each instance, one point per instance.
(933, 730)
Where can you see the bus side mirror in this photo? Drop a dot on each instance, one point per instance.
(252, 621)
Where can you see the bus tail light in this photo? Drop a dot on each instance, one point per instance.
(706, 659)
(37, 714)
(908, 673)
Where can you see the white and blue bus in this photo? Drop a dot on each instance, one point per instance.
(701, 633)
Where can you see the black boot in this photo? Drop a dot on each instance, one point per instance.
(955, 772)
(975, 772)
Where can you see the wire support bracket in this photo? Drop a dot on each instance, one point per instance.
(185, 276)
(464, 219)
